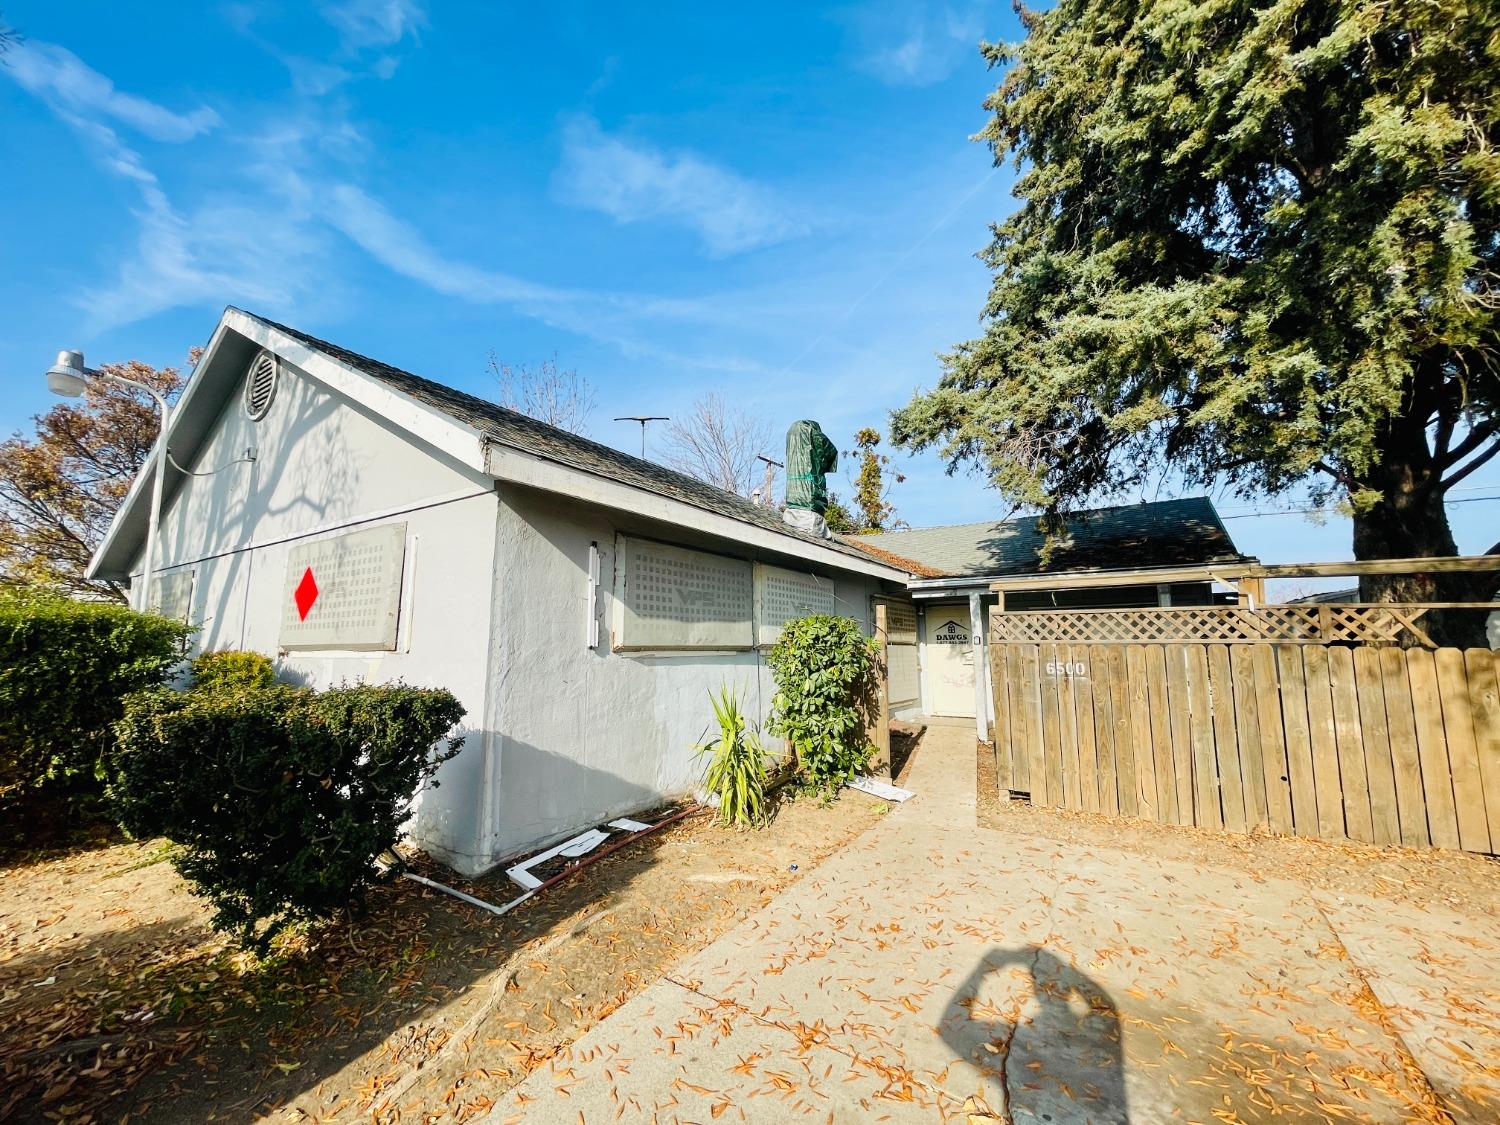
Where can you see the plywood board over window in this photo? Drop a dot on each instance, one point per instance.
(344, 592)
(674, 598)
(172, 594)
(785, 595)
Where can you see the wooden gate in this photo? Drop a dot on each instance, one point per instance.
(1296, 736)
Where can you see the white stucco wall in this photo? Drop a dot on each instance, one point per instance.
(585, 735)
(325, 468)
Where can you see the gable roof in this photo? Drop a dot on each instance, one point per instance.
(1164, 533)
(483, 423)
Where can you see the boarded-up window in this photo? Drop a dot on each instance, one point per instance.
(674, 598)
(785, 595)
(344, 592)
(172, 594)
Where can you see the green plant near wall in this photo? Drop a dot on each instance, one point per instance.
(279, 797)
(824, 669)
(232, 669)
(737, 764)
(65, 669)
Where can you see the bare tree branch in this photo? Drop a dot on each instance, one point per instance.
(555, 395)
(718, 443)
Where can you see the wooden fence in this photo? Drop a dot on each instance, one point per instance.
(1383, 745)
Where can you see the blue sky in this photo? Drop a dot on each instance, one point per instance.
(776, 202)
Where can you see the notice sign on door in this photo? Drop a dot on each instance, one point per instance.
(950, 633)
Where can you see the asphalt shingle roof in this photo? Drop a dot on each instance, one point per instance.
(524, 433)
(1166, 533)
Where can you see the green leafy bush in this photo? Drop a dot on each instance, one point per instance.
(65, 669)
(280, 797)
(737, 764)
(229, 671)
(824, 669)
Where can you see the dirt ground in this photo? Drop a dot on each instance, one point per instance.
(1460, 881)
(120, 1004)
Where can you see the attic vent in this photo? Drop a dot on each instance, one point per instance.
(260, 385)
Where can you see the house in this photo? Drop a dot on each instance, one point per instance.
(955, 566)
(359, 522)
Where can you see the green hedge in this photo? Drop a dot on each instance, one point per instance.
(824, 669)
(65, 669)
(232, 670)
(280, 797)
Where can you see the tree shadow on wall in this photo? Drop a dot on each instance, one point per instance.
(1044, 1037)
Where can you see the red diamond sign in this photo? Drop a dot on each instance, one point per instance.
(305, 594)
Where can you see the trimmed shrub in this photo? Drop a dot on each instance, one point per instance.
(824, 669)
(231, 671)
(65, 669)
(280, 797)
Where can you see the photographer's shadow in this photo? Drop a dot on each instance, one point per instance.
(1044, 1036)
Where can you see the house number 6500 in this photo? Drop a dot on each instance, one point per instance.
(1074, 668)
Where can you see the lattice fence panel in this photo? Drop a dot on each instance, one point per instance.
(1288, 624)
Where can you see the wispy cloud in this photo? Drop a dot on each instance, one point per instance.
(633, 182)
(915, 44)
(68, 84)
(375, 23)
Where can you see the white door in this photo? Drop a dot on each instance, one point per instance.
(949, 658)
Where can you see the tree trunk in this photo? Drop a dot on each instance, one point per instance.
(1411, 522)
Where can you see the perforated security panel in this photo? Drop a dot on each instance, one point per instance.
(785, 595)
(674, 598)
(344, 592)
(900, 623)
(172, 594)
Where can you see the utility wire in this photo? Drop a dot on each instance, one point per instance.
(1331, 511)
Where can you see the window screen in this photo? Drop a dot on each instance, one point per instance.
(344, 592)
(785, 595)
(672, 597)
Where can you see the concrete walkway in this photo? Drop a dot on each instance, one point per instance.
(932, 962)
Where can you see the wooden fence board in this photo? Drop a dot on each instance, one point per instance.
(1463, 752)
(1411, 805)
(1088, 751)
(1119, 695)
(1484, 703)
(1000, 689)
(1036, 769)
(1375, 732)
(1272, 739)
(1051, 730)
(1354, 786)
(1298, 728)
(1226, 742)
(1161, 737)
(1140, 732)
(1325, 744)
(1432, 750)
(1067, 727)
(1200, 723)
(1104, 730)
(1247, 726)
(1180, 726)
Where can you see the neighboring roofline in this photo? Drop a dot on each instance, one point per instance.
(475, 450)
(920, 570)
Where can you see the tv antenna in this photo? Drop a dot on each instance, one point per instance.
(643, 419)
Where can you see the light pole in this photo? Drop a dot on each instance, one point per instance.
(69, 377)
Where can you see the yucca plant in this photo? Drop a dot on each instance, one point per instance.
(737, 764)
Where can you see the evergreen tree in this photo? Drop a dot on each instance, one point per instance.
(1258, 242)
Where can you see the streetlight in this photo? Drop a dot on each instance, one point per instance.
(69, 378)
